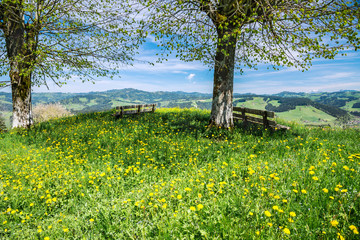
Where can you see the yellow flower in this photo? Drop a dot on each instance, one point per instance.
(192, 208)
(275, 207)
(340, 237)
(291, 220)
(65, 229)
(303, 191)
(91, 220)
(286, 231)
(354, 229)
(315, 178)
(293, 214)
(251, 213)
(270, 224)
(179, 197)
(200, 206)
(325, 190)
(257, 232)
(334, 223)
(267, 213)
(188, 189)
(311, 172)
(46, 238)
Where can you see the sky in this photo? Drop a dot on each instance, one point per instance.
(342, 73)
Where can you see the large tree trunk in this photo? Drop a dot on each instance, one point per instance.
(20, 47)
(222, 102)
(21, 97)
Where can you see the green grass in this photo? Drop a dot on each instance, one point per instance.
(92, 102)
(306, 115)
(256, 103)
(348, 106)
(83, 99)
(167, 176)
(75, 106)
(275, 103)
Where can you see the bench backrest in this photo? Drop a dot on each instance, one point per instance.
(135, 109)
(239, 113)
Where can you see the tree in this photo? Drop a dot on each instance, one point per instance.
(233, 34)
(54, 39)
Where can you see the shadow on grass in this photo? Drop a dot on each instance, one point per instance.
(195, 124)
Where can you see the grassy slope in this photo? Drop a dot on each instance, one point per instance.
(165, 175)
(256, 103)
(306, 115)
(349, 106)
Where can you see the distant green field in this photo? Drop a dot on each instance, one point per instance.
(92, 102)
(74, 106)
(274, 102)
(257, 103)
(349, 105)
(306, 115)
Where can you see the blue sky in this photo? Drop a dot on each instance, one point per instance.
(343, 73)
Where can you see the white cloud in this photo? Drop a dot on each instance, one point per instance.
(190, 76)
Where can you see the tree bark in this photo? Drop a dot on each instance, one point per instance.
(21, 97)
(222, 102)
(20, 48)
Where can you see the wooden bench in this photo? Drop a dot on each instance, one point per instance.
(240, 113)
(134, 109)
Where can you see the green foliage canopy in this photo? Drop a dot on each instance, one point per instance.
(280, 32)
(84, 38)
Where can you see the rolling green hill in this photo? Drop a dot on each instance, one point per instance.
(306, 108)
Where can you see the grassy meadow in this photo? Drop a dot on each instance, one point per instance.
(165, 175)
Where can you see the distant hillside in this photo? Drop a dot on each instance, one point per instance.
(348, 100)
(307, 108)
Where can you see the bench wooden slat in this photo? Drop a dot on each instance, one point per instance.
(134, 109)
(239, 113)
(130, 112)
(254, 111)
(135, 106)
(257, 121)
(253, 119)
